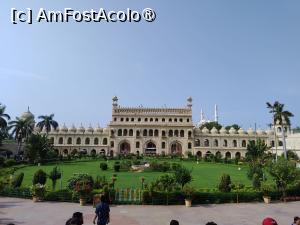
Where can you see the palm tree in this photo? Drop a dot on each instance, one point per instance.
(21, 129)
(280, 115)
(48, 122)
(3, 116)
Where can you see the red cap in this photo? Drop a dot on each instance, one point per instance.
(269, 221)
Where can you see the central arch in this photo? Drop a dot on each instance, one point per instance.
(150, 148)
(176, 148)
(124, 148)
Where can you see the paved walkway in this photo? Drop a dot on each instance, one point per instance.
(25, 212)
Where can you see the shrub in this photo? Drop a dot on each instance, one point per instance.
(100, 182)
(17, 180)
(103, 166)
(10, 162)
(183, 176)
(225, 183)
(175, 166)
(256, 181)
(54, 175)
(40, 177)
(117, 167)
(80, 177)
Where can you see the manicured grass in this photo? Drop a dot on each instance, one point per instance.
(205, 175)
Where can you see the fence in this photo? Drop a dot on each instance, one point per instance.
(128, 196)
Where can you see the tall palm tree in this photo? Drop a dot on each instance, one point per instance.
(3, 116)
(48, 122)
(21, 129)
(280, 115)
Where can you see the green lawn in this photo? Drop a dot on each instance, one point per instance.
(205, 175)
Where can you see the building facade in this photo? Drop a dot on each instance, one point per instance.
(151, 131)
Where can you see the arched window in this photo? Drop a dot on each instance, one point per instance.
(176, 133)
(156, 133)
(104, 141)
(151, 119)
(130, 132)
(175, 120)
(197, 143)
(127, 119)
(216, 143)
(238, 155)
(170, 120)
(78, 141)
(145, 133)
(180, 120)
(66, 152)
(234, 143)
(170, 133)
(206, 143)
(93, 152)
(139, 119)
(137, 144)
(120, 132)
(163, 133)
(87, 141)
(60, 141)
(182, 133)
(137, 133)
(218, 154)
(132, 119)
(125, 132)
(146, 119)
(189, 145)
(156, 119)
(279, 130)
(190, 134)
(228, 155)
(163, 120)
(69, 141)
(244, 143)
(96, 141)
(150, 132)
(225, 143)
(273, 143)
(112, 144)
(163, 145)
(280, 143)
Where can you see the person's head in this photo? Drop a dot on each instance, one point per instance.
(269, 221)
(174, 222)
(102, 198)
(211, 223)
(296, 220)
(78, 216)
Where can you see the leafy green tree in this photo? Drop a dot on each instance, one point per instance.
(54, 175)
(40, 177)
(291, 155)
(48, 122)
(3, 123)
(165, 183)
(183, 176)
(17, 180)
(225, 183)
(256, 151)
(21, 129)
(37, 147)
(235, 126)
(256, 181)
(282, 117)
(211, 125)
(284, 172)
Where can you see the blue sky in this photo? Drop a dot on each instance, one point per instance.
(237, 54)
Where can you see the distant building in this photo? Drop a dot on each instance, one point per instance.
(151, 131)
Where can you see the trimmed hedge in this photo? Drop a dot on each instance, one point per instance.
(16, 192)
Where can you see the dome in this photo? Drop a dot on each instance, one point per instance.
(72, 129)
(63, 129)
(270, 132)
(205, 130)
(232, 131)
(241, 131)
(251, 131)
(80, 129)
(27, 115)
(214, 131)
(115, 98)
(223, 131)
(90, 129)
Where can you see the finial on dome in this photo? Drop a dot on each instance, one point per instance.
(189, 102)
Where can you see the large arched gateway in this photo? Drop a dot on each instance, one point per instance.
(176, 148)
(124, 148)
(150, 148)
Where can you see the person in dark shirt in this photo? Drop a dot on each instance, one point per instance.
(102, 212)
(77, 219)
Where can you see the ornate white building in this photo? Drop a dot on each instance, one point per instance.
(151, 131)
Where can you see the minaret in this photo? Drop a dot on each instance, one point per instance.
(201, 116)
(216, 113)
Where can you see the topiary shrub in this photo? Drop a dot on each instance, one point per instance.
(225, 183)
(17, 180)
(10, 162)
(103, 166)
(117, 167)
(40, 177)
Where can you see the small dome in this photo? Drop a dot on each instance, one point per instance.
(115, 98)
(72, 129)
(251, 131)
(232, 131)
(214, 131)
(63, 129)
(241, 131)
(270, 132)
(80, 129)
(205, 130)
(223, 131)
(90, 129)
(27, 115)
